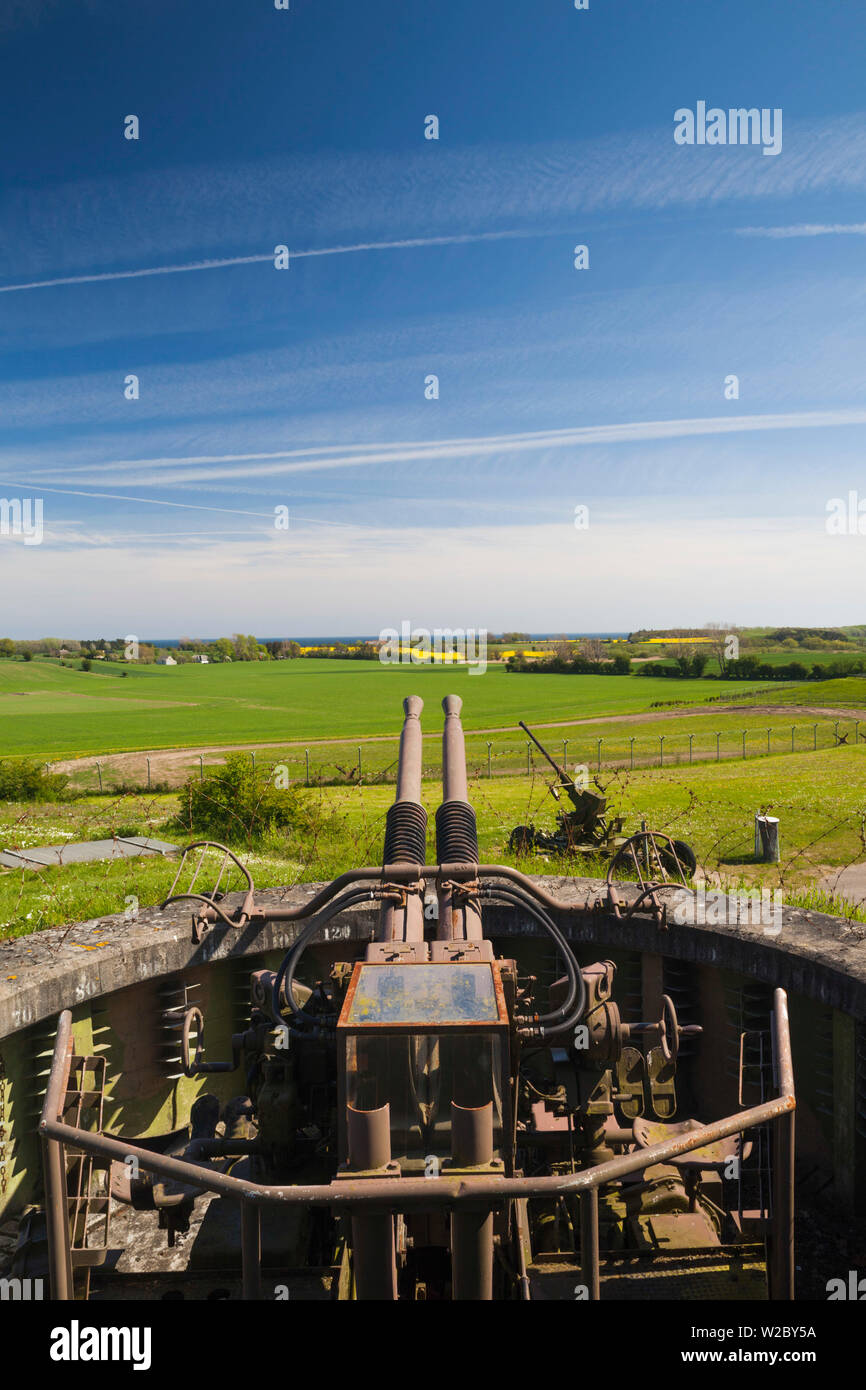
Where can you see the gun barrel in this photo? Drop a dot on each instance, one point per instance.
(560, 771)
(456, 830)
(410, 757)
(406, 827)
(454, 783)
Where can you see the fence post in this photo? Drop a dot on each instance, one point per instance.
(200, 768)
(598, 758)
(99, 775)
(253, 757)
(792, 738)
(661, 750)
(856, 731)
(631, 747)
(718, 755)
(814, 735)
(691, 741)
(767, 839)
(769, 731)
(307, 759)
(565, 753)
(836, 734)
(529, 759)
(359, 764)
(148, 774)
(744, 743)
(489, 768)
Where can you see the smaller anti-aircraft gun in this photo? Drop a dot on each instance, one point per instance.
(585, 829)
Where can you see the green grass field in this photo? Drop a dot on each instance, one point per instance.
(52, 711)
(47, 711)
(850, 691)
(805, 658)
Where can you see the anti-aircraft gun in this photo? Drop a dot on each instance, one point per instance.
(412, 1110)
(584, 830)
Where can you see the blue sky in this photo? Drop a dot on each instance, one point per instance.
(305, 388)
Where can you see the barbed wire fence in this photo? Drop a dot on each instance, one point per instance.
(373, 761)
(723, 835)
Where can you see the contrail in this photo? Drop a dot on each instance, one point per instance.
(805, 229)
(161, 502)
(406, 244)
(120, 497)
(318, 459)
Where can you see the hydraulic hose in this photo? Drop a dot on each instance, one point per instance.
(286, 972)
(575, 979)
(567, 1014)
(558, 1019)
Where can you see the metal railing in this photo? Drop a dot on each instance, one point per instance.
(405, 1194)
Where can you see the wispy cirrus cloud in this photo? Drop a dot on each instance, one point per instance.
(283, 462)
(226, 210)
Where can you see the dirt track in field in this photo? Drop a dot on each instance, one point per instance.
(171, 764)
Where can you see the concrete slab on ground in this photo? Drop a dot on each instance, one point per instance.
(848, 883)
(52, 856)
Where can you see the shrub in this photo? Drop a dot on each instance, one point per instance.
(125, 831)
(25, 779)
(240, 803)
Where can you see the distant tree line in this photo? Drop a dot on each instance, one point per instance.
(807, 638)
(749, 668)
(687, 666)
(752, 668)
(570, 666)
(239, 647)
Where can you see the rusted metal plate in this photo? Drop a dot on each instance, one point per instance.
(422, 994)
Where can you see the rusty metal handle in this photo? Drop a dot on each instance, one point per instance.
(192, 1016)
(209, 899)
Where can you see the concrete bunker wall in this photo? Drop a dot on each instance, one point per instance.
(126, 982)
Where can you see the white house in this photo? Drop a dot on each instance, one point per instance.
(200, 660)
(166, 661)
